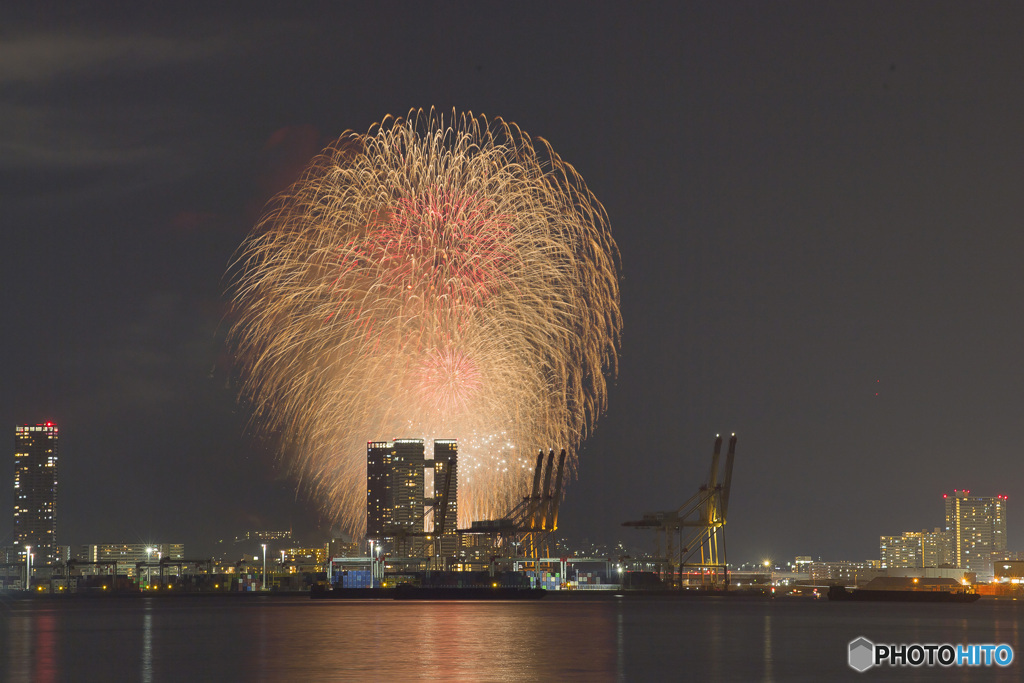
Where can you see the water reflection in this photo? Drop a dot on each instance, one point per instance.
(620, 641)
(45, 650)
(31, 647)
(282, 639)
(511, 641)
(19, 646)
(146, 673)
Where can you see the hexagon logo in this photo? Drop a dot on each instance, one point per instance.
(862, 654)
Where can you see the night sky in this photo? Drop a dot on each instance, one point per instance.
(818, 208)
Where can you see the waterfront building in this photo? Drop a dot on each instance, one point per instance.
(302, 560)
(251, 543)
(407, 465)
(127, 556)
(937, 548)
(35, 492)
(844, 572)
(917, 549)
(446, 459)
(901, 551)
(978, 528)
(345, 546)
(379, 455)
(394, 489)
(396, 474)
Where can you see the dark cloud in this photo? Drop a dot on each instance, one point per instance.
(41, 59)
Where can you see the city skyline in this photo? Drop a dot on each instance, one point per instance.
(815, 208)
(974, 536)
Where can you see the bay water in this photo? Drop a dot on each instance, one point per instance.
(586, 638)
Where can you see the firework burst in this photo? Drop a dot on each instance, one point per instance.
(428, 278)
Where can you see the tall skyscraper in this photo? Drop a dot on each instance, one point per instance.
(978, 528)
(35, 491)
(446, 460)
(407, 484)
(378, 488)
(394, 487)
(396, 491)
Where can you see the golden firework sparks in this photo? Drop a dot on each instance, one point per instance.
(428, 279)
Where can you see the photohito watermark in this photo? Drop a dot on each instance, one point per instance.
(863, 654)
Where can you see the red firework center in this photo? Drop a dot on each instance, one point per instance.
(447, 379)
(440, 245)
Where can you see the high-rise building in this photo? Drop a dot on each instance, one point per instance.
(978, 528)
(446, 520)
(35, 491)
(378, 488)
(396, 487)
(407, 465)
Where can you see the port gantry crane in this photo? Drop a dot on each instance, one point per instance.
(529, 524)
(537, 516)
(699, 524)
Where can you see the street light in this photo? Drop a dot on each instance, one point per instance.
(28, 567)
(264, 565)
(282, 561)
(149, 570)
(373, 565)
